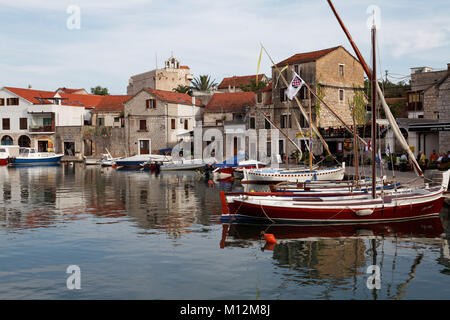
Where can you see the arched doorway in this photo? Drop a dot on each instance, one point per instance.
(7, 141)
(24, 142)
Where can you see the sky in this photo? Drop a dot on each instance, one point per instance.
(42, 46)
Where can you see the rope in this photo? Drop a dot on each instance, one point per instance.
(266, 213)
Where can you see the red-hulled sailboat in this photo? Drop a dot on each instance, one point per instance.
(396, 205)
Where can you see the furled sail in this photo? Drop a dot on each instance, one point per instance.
(398, 133)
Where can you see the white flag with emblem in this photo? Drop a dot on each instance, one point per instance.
(294, 86)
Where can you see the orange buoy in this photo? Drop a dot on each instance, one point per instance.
(269, 246)
(270, 238)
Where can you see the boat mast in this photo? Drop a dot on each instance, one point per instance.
(374, 113)
(310, 133)
(369, 75)
(355, 147)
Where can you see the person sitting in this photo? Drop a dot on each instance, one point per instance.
(422, 160)
(433, 157)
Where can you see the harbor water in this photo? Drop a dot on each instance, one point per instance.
(140, 235)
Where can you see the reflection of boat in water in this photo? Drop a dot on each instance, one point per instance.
(421, 228)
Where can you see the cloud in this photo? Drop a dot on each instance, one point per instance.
(219, 38)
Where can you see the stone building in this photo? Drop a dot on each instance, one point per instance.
(109, 112)
(233, 84)
(158, 119)
(227, 112)
(428, 100)
(334, 74)
(171, 76)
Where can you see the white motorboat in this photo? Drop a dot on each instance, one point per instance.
(271, 175)
(184, 164)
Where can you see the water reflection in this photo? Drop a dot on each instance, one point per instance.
(108, 221)
(339, 254)
(36, 197)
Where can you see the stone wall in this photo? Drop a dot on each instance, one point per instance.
(90, 141)
(430, 103)
(444, 114)
(328, 75)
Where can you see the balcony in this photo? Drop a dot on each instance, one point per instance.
(41, 129)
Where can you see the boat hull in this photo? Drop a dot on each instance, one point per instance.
(402, 208)
(3, 161)
(134, 164)
(271, 176)
(24, 161)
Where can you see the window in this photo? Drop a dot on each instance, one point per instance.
(7, 141)
(143, 125)
(285, 121)
(252, 124)
(269, 148)
(172, 124)
(303, 93)
(259, 97)
(23, 123)
(186, 124)
(296, 68)
(12, 101)
(116, 119)
(219, 123)
(2, 101)
(47, 122)
(341, 70)
(150, 103)
(101, 121)
(6, 124)
(69, 148)
(267, 123)
(282, 94)
(341, 95)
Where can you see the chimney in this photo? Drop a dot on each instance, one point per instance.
(193, 100)
(448, 66)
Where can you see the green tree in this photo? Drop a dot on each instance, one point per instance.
(204, 83)
(253, 86)
(183, 89)
(98, 90)
(359, 103)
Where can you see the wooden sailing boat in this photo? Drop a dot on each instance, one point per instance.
(390, 206)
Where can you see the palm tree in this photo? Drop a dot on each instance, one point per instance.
(183, 89)
(203, 83)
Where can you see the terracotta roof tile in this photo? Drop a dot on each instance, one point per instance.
(174, 97)
(42, 97)
(306, 56)
(238, 81)
(233, 101)
(112, 103)
(81, 100)
(32, 95)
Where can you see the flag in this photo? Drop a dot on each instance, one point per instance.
(259, 64)
(368, 146)
(378, 156)
(388, 150)
(294, 86)
(279, 75)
